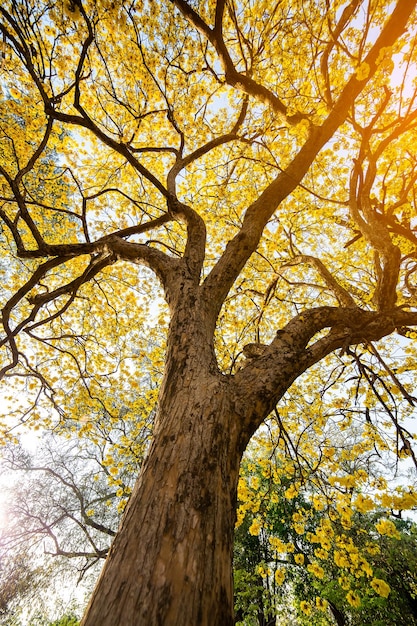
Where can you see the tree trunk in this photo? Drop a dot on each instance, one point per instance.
(171, 561)
(338, 615)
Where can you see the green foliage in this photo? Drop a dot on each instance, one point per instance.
(315, 577)
(66, 620)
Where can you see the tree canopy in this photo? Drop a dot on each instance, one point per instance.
(209, 215)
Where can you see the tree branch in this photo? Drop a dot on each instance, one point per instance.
(244, 243)
(375, 226)
(341, 294)
(232, 76)
(263, 381)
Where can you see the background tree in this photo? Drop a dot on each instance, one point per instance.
(16, 578)
(315, 561)
(30, 587)
(256, 158)
(63, 508)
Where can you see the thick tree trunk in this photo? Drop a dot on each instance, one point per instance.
(171, 562)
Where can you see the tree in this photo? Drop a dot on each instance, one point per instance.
(64, 502)
(328, 572)
(27, 585)
(16, 578)
(255, 158)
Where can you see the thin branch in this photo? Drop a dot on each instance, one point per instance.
(232, 76)
(341, 294)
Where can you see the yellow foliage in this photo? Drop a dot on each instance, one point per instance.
(353, 599)
(95, 146)
(380, 587)
(279, 576)
(316, 570)
(386, 527)
(306, 607)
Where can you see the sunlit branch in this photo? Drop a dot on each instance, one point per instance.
(138, 229)
(23, 212)
(169, 110)
(196, 240)
(83, 55)
(39, 273)
(240, 248)
(37, 153)
(232, 76)
(182, 162)
(13, 230)
(22, 50)
(121, 148)
(342, 295)
(156, 149)
(83, 119)
(377, 234)
(96, 265)
(116, 248)
(348, 12)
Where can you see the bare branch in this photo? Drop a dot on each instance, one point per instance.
(342, 295)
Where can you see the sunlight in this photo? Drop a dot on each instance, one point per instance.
(404, 76)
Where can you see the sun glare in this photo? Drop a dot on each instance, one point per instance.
(404, 77)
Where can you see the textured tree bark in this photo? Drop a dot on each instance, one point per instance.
(338, 615)
(171, 561)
